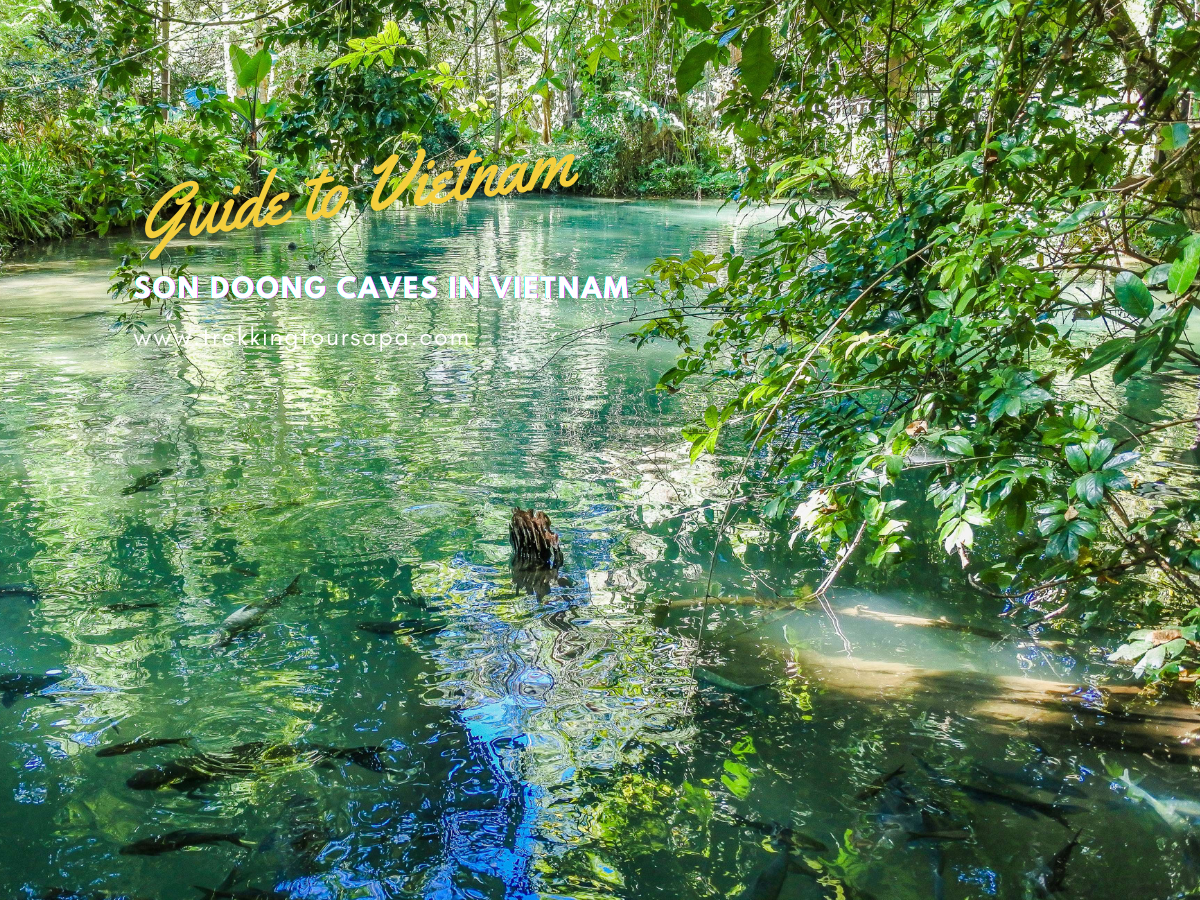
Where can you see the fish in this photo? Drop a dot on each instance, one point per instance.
(1191, 856)
(412, 626)
(245, 760)
(1051, 878)
(244, 893)
(180, 840)
(709, 677)
(28, 591)
(1025, 806)
(1035, 781)
(1177, 814)
(939, 835)
(15, 685)
(879, 784)
(147, 481)
(247, 617)
(130, 606)
(782, 833)
(244, 571)
(136, 746)
(769, 882)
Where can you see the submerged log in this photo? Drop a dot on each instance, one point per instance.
(863, 612)
(767, 603)
(1117, 717)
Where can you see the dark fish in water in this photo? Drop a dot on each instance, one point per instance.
(180, 840)
(415, 627)
(14, 686)
(189, 772)
(244, 571)
(1035, 781)
(130, 606)
(1191, 856)
(788, 836)
(1026, 806)
(1052, 877)
(390, 627)
(939, 835)
(879, 784)
(769, 882)
(1023, 805)
(242, 620)
(709, 677)
(147, 481)
(363, 757)
(139, 745)
(27, 591)
(243, 893)
(246, 760)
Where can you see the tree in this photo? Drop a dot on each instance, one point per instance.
(1017, 180)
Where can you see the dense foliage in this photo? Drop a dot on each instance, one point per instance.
(989, 216)
(105, 104)
(1017, 185)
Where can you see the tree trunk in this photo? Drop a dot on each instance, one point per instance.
(548, 97)
(499, 88)
(226, 44)
(475, 71)
(569, 95)
(164, 88)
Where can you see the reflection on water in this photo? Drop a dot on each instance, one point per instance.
(559, 745)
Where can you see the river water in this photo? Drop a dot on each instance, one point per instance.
(544, 740)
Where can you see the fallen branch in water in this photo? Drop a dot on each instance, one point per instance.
(863, 612)
(793, 602)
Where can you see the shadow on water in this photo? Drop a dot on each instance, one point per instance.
(587, 731)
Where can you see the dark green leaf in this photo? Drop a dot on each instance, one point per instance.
(1183, 270)
(758, 65)
(691, 70)
(1106, 353)
(694, 14)
(1133, 295)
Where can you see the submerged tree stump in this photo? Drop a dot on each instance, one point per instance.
(537, 554)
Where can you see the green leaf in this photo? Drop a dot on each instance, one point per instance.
(694, 14)
(1157, 275)
(240, 60)
(1106, 353)
(1183, 270)
(1076, 458)
(957, 444)
(1135, 359)
(1173, 136)
(1081, 215)
(758, 65)
(691, 70)
(1090, 488)
(1133, 295)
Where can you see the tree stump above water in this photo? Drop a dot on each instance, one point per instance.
(533, 540)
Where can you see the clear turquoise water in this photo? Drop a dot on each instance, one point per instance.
(535, 746)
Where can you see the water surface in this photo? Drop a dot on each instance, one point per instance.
(546, 742)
